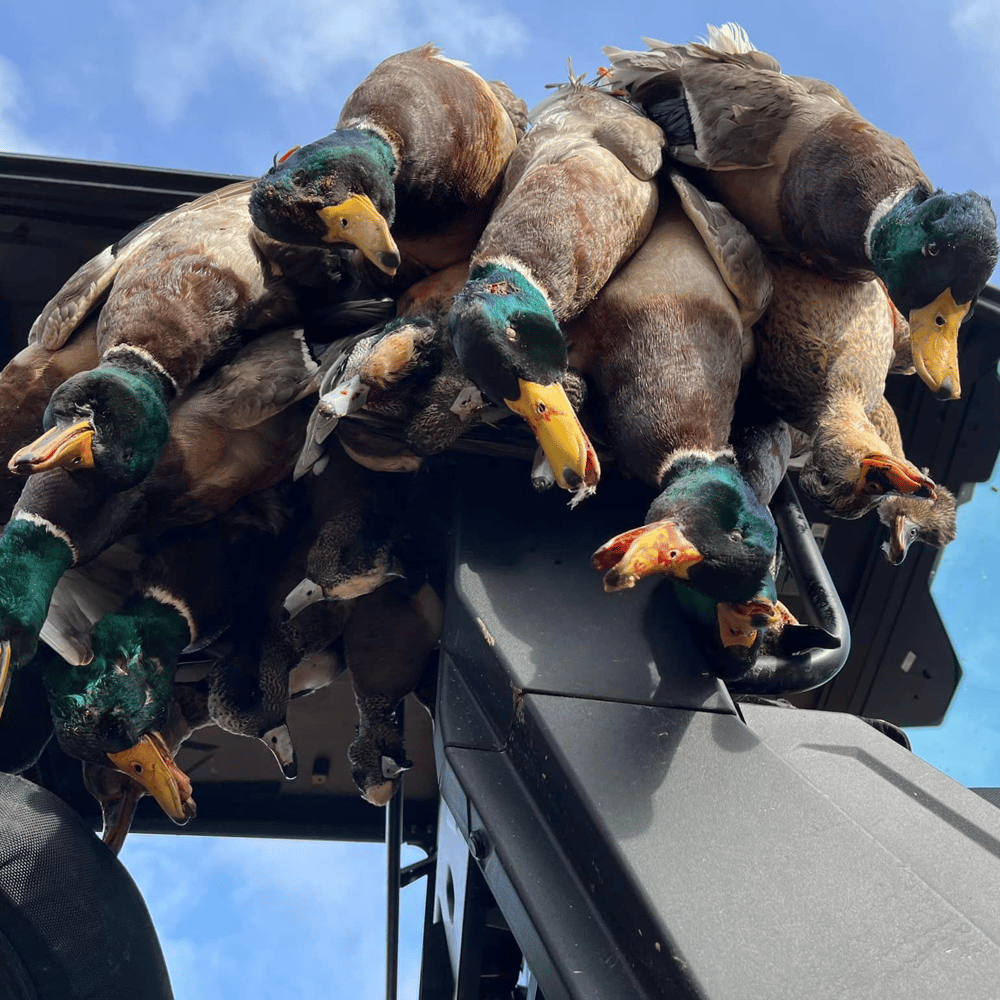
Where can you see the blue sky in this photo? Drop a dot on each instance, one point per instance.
(225, 86)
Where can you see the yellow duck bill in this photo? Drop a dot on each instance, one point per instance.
(62, 447)
(552, 419)
(151, 764)
(934, 343)
(358, 222)
(658, 547)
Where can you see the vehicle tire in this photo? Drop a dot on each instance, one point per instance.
(73, 924)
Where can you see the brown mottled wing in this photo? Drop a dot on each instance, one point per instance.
(736, 253)
(736, 106)
(449, 125)
(516, 109)
(635, 140)
(821, 88)
(269, 374)
(88, 287)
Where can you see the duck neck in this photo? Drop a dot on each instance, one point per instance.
(893, 236)
(34, 554)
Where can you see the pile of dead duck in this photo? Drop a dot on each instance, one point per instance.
(189, 430)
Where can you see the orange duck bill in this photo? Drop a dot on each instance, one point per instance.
(659, 547)
(62, 447)
(554, 422)
(883, 475)
(740, 623)
(152, 765)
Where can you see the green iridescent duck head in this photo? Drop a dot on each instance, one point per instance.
(338, 190)
(113, 708)
(935, 254)
(112, 419)
(510, 344)
(706, 527)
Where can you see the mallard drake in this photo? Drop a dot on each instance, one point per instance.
(233, 434)
(664, 345)
(815, 181)
(115, 707)
(117, 792)
(579, 196)
(823, 350)
(907, 521)
(733, 635)
(410, 173)
(174, 297)
(190, 587)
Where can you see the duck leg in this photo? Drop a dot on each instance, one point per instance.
(386, 665)
(911, 520)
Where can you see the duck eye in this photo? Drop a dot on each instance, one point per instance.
(930, 250)
(737, 534)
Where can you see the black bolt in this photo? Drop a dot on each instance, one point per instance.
(479, 845)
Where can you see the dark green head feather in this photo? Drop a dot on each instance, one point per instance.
(347, 162)
(503, 330)
(721, 516)
(926, 244)
(109, 704)
(126, 402)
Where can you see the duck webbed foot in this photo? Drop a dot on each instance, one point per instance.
(377, 756)
(740, 623)
(659, 547)
(883, 475)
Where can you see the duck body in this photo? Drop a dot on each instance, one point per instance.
(664, 347)
(818, 183)
(405, 371)
(236, 434)
(420, 149)
(579, 197)
(824, 348)
(172, 300)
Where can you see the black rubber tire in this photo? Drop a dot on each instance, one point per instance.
(73, 924)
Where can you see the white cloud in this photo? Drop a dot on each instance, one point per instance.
(13, 98)
(261, 918)
(186, 51)
(977, 24)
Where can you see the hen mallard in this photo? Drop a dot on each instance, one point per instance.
(174, 296)
(814, 180)
(824, 348)
(411, 172)
(579, 197)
